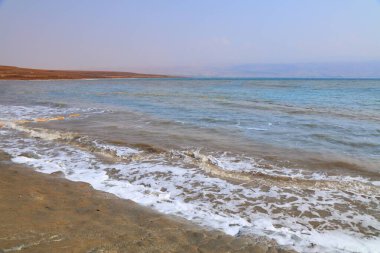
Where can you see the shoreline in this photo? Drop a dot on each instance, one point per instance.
(42, 212)
(89, 79)
(28, 74)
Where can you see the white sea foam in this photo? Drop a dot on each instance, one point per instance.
(119, 151)
(14, 112)
(241, 163)
(257, 128)
(282, 212)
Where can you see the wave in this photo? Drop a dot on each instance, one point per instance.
(244, 169)
(222, 192)
(11, 113)
(298, 110)
(331, 139)
(310, 211)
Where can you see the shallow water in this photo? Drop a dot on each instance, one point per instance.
(297, 161)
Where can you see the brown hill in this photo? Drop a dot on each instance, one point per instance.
(15, 73)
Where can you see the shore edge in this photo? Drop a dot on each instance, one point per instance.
(45, 213)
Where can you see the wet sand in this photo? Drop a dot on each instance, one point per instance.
(46, 213)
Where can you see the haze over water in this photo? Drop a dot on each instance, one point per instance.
(296, 160)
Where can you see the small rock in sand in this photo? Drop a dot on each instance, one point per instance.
(58, 174)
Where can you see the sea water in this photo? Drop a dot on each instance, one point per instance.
(293, 160)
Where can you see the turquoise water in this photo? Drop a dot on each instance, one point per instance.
(339, 117)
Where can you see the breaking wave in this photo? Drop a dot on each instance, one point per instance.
(307, 211)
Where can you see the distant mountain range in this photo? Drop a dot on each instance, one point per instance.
(307, 70)
(327, 70)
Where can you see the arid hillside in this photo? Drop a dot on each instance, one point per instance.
(15, 73)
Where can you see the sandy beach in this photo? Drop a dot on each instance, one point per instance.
(46, 213)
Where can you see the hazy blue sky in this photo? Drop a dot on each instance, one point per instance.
(142, 35)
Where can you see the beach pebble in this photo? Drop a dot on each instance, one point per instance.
(58, 174)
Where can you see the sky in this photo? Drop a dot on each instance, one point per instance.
(186, 35)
